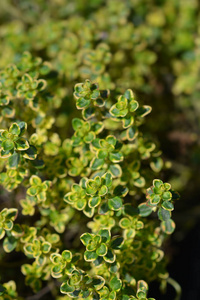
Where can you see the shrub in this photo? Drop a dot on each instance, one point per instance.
(92, 226)
(81, 207)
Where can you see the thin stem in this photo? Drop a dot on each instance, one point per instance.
(176, 286)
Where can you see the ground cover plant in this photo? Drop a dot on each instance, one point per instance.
(93, 95)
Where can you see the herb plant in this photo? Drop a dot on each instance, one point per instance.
(86, 212)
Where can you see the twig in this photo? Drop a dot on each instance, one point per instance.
(39, 295)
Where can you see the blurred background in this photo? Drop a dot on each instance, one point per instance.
(150, 46)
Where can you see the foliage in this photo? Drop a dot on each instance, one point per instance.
(74, 173)
(94, 186)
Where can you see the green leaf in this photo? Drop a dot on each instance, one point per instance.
(167, 196)
(163, 214)
(17, 230)
(127, 121)
(134, 105)
(105, 235)
(80, 203)
(65, 288)
(168, 226)
(120, 191)
(157, 183)
(13, 160)
(82, 103)
(35, 180)
(32, 191)
(77, 123)
(154, 199)
(102, 250)
(115, 203)
(115, 170)
(88, 113)
(116, 157)
(8, 225)
(144, 110)
(67, 255)
(168, 205)
(14, 129)
(98, 282)
(103, 190)
(109, 257)
(115, 284)
(9, 244)
(7, 145)
(90, 255)
(144, 210)
(116, 243)
(156, 164)
(21, 144)
(46, 246)
(132, 133)
(97, 163)
(125, 223)
(88, 211)
(94, 201)
(22, 126)
(30, 153)
(85, 238)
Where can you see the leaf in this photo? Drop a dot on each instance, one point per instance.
(109, 257)
(115, 203)
(105, 235)
(157, 183)
(14, 129)
(77, 123)
(167, 196)
(9, 244)
(168, 205)
(65, 288)
(85, 238)
(98, 282)
(82, 103)
(21, 144)
(17, 231)
(164, 214)
(117, 243)
(97, 163)
(144, 210)
(13, 160)
(67, 255)
(132, 133)
(156, 164)
(115, 170)
(154, 199)
(103, 190)
(116, 157)
(168, 226)
(7, 145)
(94, 201)
(80, 203)
(120, 191)
(31, 153)
(90, 255)
(88, 113)
(144, 110)
(115, 284)
(125, 223)
(102, 250)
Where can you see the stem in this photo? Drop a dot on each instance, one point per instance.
(39, 295)
(176, 286)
